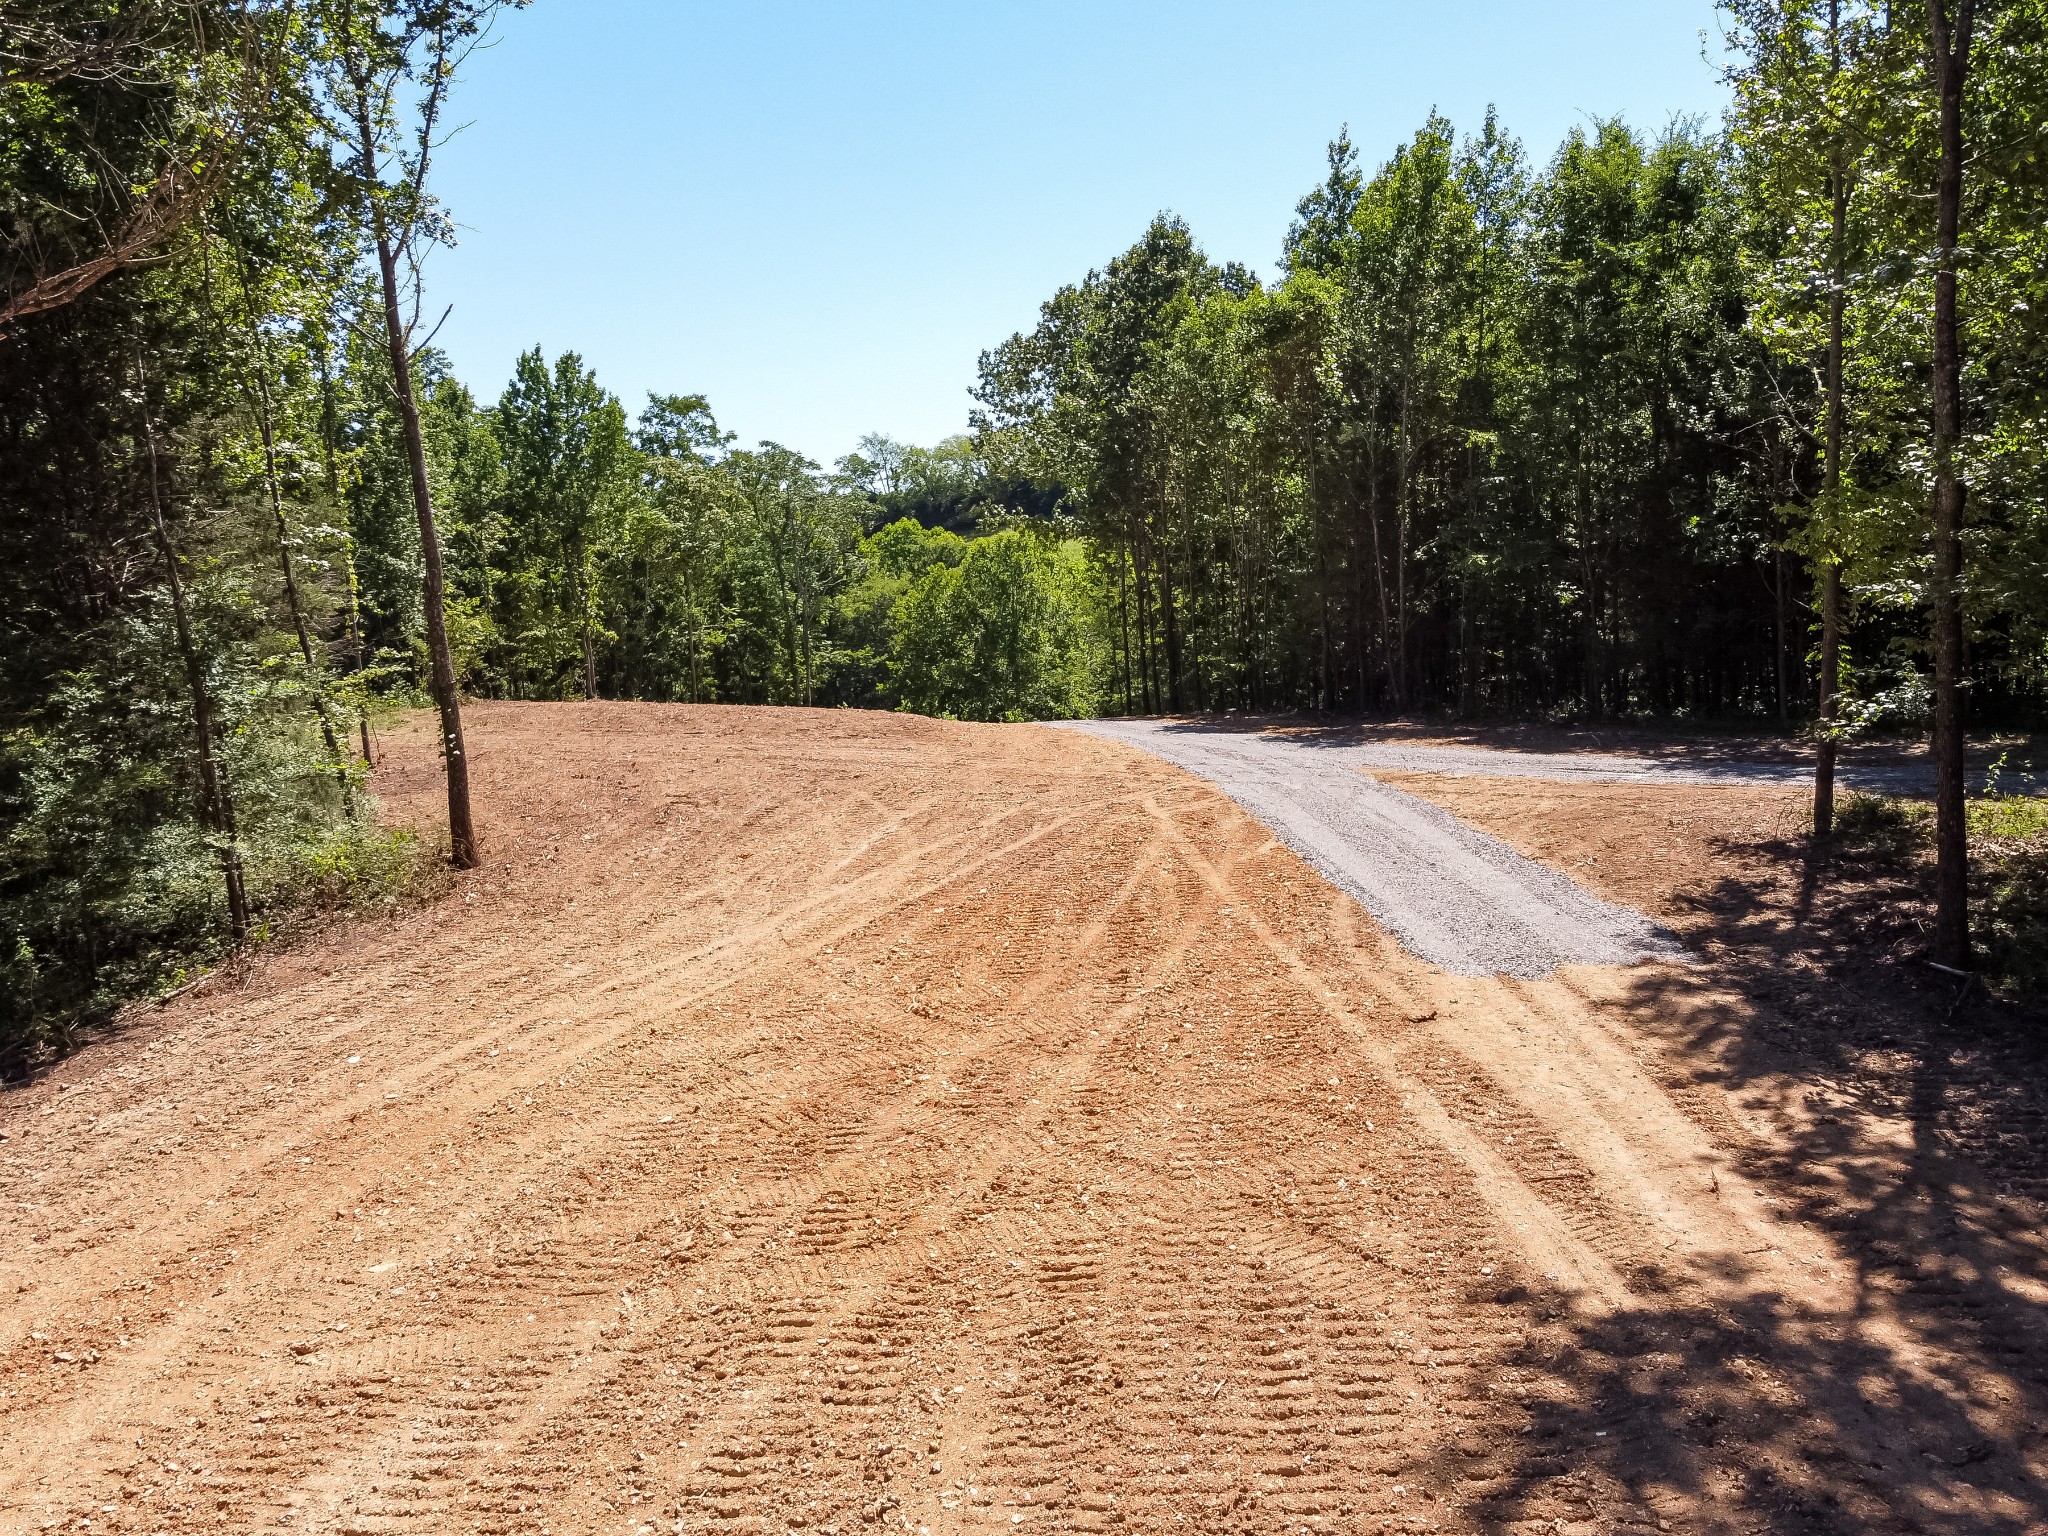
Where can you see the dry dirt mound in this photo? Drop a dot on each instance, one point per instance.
(823, 1122)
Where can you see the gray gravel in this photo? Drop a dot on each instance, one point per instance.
(1452, 895)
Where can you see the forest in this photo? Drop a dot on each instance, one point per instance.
(1739, 421)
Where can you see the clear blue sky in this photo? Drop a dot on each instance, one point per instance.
(819, 214)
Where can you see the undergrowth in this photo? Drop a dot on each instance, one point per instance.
(110, 885)
(167, 931)
(2008, 876)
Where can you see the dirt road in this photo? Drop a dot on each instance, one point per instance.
(839, 1122)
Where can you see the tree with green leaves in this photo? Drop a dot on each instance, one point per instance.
(570, 467)
(999, 635)
(386, 68)
(798, 547)
(1810, 105)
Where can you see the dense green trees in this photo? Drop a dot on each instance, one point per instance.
(173, 773)
(1896, 152)
(660, 562)
(1494, 440)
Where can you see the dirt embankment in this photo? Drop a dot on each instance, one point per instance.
(842, 1122)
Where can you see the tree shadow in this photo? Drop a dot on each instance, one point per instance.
(1893, 1112)
(1687, 743)
(1900, 1113)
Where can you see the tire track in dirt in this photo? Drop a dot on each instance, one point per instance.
(925, 1127)
(813, 1209)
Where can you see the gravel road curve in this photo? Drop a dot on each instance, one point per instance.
(1452, 895)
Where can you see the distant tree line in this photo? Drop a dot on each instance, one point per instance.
(1743, 423)
(593, 554)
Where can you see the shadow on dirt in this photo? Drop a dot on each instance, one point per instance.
(1907, 1123)
(1899, 1111)
(1673, 745)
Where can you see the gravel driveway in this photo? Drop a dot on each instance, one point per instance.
(1452, 895)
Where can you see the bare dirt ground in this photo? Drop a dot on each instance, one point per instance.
(824, 1122)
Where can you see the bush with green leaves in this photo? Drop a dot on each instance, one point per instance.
(110, 882)
(1004, 634)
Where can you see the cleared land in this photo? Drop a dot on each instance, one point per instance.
(831, 1122)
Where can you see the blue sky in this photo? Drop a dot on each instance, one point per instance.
(819, 214)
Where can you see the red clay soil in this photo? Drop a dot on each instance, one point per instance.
(843, 1122)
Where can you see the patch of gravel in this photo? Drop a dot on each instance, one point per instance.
(1452, 895)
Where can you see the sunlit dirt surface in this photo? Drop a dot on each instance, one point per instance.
(840, 1122)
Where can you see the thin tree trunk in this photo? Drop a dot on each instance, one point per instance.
(355, 637)
(808, 694)
(690, 602)
(1123, 609)
(1379, 573)
(1949, 46)
(1361, 666)
(330, 429)
(1831, 568)
(462, 845)
(267, 427)
(1778, 616)
(1827, 697)
(1397, 670)
(583, 623)
(216, 804)
(1169, 622)
(1142, 586)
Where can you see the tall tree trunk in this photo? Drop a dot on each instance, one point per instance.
(1379, 574)
(690, 606)
(1398, 662)
(1169, 621)
(1123, 610)
(1831, 484)
(216, 803)
(462, 846)
(805, 611)
(1141, 586)
(266, 425)
(355, 638)
(1779, 619)
(582, 595)
(1949, 36)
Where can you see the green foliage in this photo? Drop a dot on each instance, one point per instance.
(2009, 925)
(109, 881)
(2009, 876)
(1862, 817)
(952, 486)
(906, 549)
(195, 402)
(1002, 635)
(2008, 816)
(569, 472)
